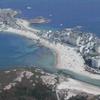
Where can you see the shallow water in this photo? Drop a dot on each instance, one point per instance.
(15, 50)
(83, 78)
(19, 51)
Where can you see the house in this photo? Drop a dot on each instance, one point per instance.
(98, 49)
(96, 62)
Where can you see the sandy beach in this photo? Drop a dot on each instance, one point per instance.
(79, 86)
(67, 57)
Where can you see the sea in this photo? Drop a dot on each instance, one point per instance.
(63, 13)
(20, 51)
(17, 51)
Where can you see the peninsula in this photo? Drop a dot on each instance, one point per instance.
(66, 53)
(71, 46)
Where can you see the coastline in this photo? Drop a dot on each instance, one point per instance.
(66, 56)
(79, 86)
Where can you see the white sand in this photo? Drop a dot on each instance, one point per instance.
(79, 86)
(67, 57)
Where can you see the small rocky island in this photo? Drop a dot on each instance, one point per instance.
(39, 20)
(86, 46)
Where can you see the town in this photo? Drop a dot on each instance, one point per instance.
(87, 44)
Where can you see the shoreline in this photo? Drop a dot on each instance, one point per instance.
(66, 56)
(79, 86)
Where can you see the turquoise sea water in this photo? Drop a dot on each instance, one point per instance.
(19, 51)
(83, 78)
(70, 13)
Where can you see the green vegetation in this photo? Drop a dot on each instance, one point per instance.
(25, 91)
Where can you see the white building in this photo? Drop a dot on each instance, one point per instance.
(98, 49)
(96, 62)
